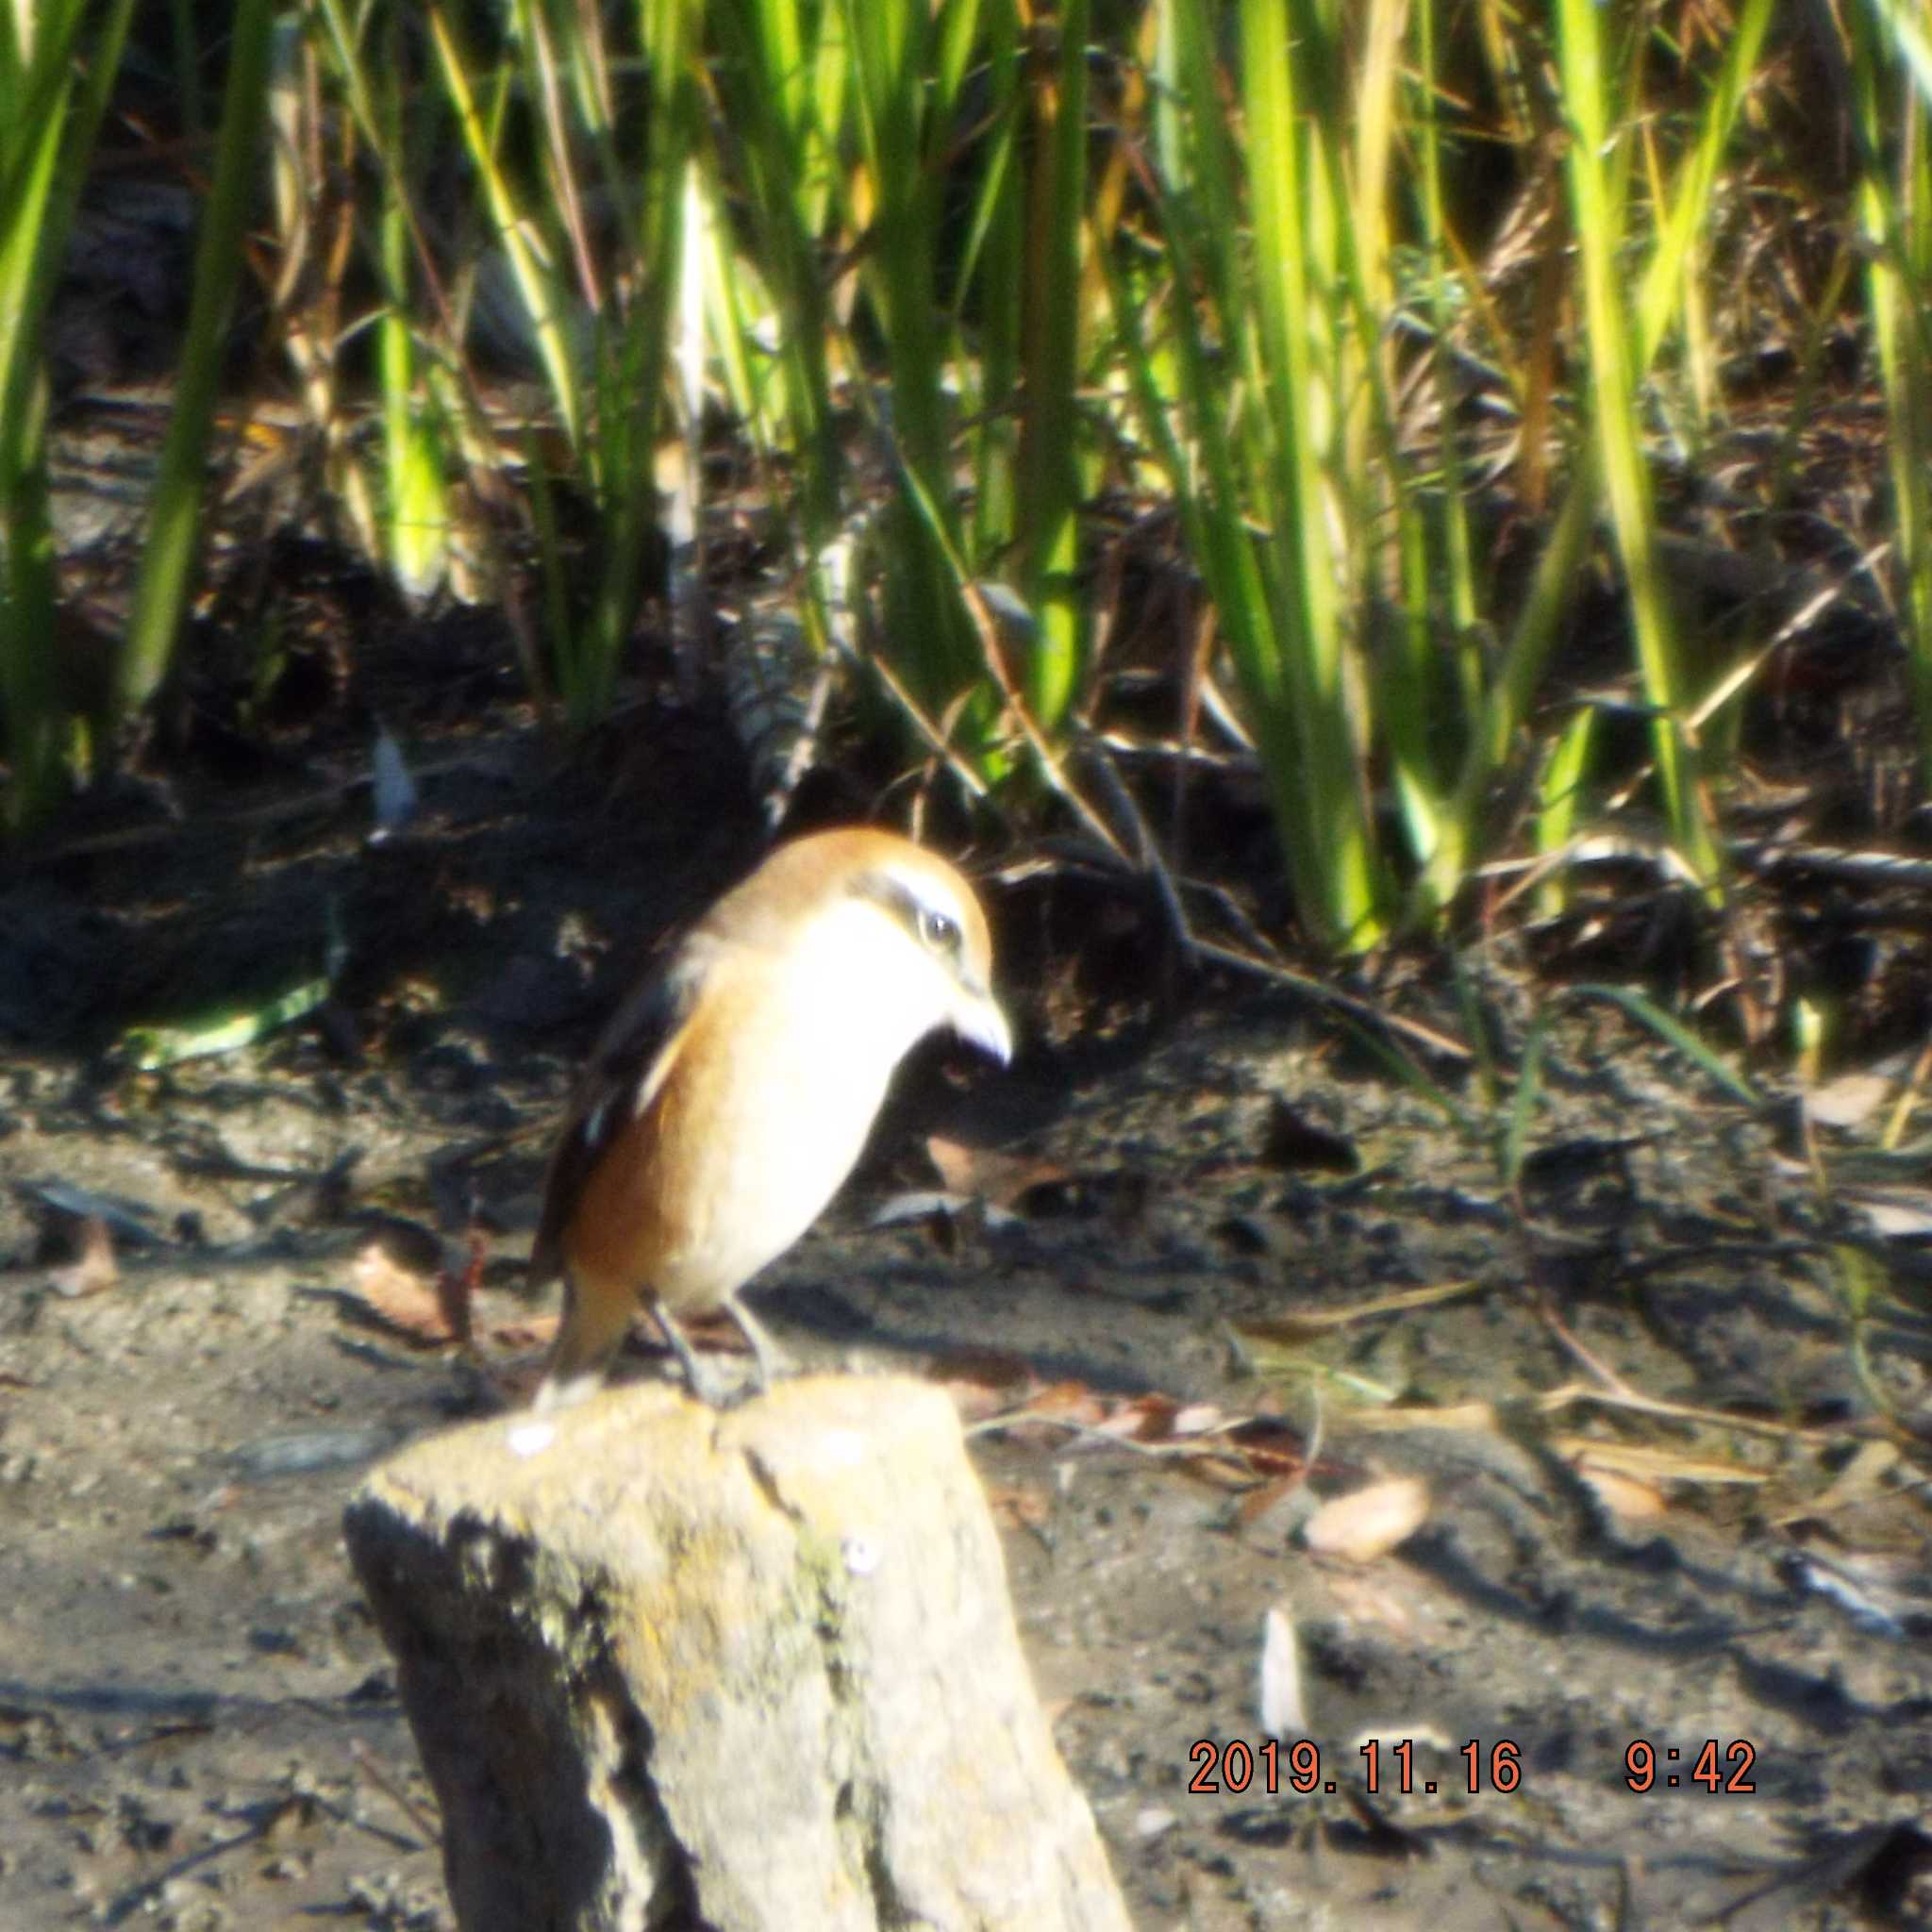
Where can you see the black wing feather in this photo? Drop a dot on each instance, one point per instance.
(639, 1034)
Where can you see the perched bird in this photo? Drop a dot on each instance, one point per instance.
(734, 1089)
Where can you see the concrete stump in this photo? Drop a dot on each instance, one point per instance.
(748, 1672)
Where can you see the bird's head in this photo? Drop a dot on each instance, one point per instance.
(890, 937)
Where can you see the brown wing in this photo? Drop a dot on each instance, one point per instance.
(626, 1068)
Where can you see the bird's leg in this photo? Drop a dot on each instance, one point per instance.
(765, 1352)
(696, 1376)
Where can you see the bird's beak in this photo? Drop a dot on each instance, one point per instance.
(978, 1019)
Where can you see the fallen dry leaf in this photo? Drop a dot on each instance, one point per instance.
(1294, 1326)
(1148, 1418)
(1627, 1499)
(1368, 1522)
(982, 1382)
(1005, 1179)
(1642, 1462)
(400, 1299)
(1847, 1100)
(1899, 1216)
(1270, 1447)
(1023, 1186)
(1068, 1401)
(1202, 1440)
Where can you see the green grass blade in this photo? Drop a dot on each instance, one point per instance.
(1599, 205)
(1557, 797)
(1049, 478)
(1675, 1033)
(169, 554)
(896, 68)
(1896, 211)
(49, 122)
(537, 285)
(1525, 1102)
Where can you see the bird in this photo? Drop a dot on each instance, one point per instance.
(734, 1089)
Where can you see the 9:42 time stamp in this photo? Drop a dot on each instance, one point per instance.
(1640, 1768)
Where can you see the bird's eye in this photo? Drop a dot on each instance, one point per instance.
(938, 932)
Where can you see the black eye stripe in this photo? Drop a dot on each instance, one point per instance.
(935, 929)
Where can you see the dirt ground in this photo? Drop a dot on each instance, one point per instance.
(1717, 1537)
